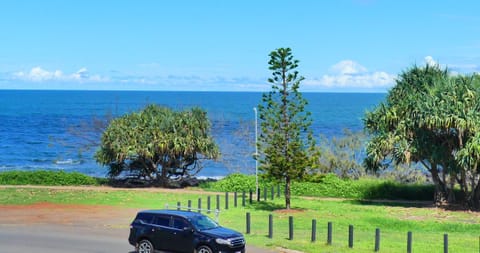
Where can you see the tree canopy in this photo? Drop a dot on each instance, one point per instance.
(432, 118)
(285, 142)
(158, 143)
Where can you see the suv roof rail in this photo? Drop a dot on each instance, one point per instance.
(189, 208)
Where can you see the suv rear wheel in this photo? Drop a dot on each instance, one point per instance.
(145, 246)
(204, 249)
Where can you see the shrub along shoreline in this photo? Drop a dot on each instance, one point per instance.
(328, 185)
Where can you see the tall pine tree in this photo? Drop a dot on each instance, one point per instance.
(286, 143)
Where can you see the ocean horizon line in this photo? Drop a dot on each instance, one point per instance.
(212, 91)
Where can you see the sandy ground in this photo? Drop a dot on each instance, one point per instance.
(64, 214)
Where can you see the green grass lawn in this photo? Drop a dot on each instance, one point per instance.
(428, 225)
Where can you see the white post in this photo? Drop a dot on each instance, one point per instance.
(256, 153)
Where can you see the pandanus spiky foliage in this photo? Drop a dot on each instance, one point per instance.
(158, 143)
(432, 118)
(286, 143)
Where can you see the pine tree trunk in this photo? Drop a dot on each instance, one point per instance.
(287, 192)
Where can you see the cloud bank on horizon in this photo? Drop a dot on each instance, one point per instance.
(346, 75)
(38, 74)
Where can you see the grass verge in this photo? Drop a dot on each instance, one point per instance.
(427, 224)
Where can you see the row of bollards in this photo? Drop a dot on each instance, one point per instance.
(291, 234)
(235, 199)
(330, 232)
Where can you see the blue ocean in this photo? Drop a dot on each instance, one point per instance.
(54, 130)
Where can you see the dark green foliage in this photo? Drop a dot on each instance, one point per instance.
(231, 183)
(433, 119)
(328, 185)
(158, 143)
(237, 183)
(396, 191)
(286, 144)
(44, 177)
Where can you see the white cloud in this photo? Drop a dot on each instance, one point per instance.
(347, 67)
(38, 74)
(465, 67)
(350, 74)
(430, 61)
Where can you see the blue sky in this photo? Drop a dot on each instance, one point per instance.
(342, 45)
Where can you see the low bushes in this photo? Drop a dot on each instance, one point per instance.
(44, 177)
(236, 183)
(329, 185)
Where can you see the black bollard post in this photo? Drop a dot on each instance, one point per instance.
(350, 236)
(199, 205)
(270, 226)
(248, 223)
(178, 206)
(377, 240)
(314, 230)
(226, 200)
(409, 242)
(235, 199)
(329, 233)
(218, 202)
(208, 204)
(265, 193)
(445, 243)
(189, 205)
(290, 228)
(243, 198)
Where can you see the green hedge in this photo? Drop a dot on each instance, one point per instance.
(44, 177)
(329, 185)
(236, 183)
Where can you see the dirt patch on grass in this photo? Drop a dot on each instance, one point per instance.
(66, 214)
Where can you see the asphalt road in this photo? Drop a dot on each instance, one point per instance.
(41, 238)
(53, 239)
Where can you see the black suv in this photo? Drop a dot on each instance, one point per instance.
(182, 231)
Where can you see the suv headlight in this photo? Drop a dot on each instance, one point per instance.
(222, 241)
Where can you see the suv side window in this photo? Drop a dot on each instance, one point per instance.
(162, 220)
(145, 218)
(180, 223)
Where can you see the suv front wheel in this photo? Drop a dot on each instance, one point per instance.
(145, 246)
(204, 249)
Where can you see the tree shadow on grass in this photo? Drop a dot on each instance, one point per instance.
(266, 206)
(393, 203)
(272, 207)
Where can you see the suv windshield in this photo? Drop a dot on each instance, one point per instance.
(203, 223)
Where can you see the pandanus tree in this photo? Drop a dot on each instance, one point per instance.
(286, 143)
(158, 143)
(432, 118)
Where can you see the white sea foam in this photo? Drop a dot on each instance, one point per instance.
(67, 162)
